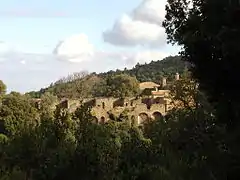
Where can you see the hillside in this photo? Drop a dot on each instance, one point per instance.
(155, 70)
(88, 85)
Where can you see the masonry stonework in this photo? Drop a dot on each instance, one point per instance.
(140, 109)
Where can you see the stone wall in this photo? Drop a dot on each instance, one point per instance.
(138, 108)
(135, 107)
(105, 103)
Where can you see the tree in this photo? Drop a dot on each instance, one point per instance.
(47, 104)
(34, 94)
(122, 86)
(185, 94)
(73, 85)
(78, 85)
(100, 88)
(3, 88)
(90, 82)
(77, 80)
(17, 113)
(119, 86)
(209, 33)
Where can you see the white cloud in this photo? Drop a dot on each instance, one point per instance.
(15, 56)
(152, 11)
(142, 27)
(79, 51)
(5, 49)
(76, 53)
(133, 32)
(75, 48)
(23, 62)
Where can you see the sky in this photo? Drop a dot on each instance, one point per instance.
(42, 41)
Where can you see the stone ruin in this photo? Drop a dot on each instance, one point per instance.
(140, 109)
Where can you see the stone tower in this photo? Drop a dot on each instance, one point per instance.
(177, 76)
(164, 82)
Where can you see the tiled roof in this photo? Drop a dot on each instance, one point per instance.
(148, 85)
(160, 92)
(36, 99)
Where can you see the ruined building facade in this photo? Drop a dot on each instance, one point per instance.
(140, 109)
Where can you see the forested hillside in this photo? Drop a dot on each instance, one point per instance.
(111, 83)
(155, 70)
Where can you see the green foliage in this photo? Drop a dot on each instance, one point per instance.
(15, 174)
(191, 143)
(155, 70)
(34, 94)
(186, 94)
(209, 33)
(119, 86)
(47, 104)
(3, 88)
(3, 139)
(17, 113)
(147, 92)
(41, 151)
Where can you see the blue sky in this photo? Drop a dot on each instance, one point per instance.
(41, 41)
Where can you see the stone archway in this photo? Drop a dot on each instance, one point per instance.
(157, 115)
(102, 120)
(95, 119)
(133, 120)
(143, 118)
